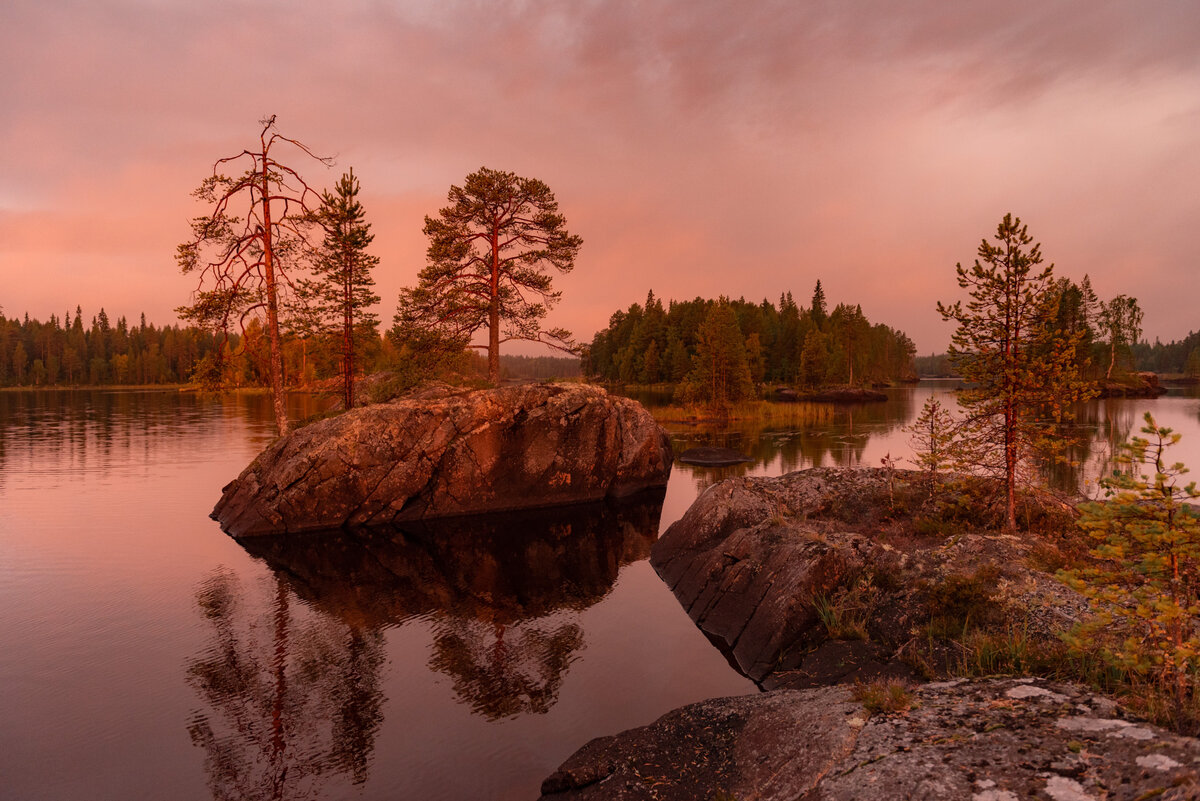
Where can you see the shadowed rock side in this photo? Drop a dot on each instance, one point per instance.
(751, 558)
(983, 740)
(446, 452)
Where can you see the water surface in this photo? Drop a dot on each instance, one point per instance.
(144, 654)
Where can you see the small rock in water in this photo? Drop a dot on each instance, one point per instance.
(713, 457)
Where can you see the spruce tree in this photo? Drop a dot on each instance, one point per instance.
(819, 310)
(339, 300)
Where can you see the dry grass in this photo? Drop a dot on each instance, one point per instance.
(887, 696)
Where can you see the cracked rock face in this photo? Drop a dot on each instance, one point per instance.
(447, 453)
(983, 740)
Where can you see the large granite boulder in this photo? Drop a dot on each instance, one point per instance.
(983, 740)
(753, 559)
(447, 452)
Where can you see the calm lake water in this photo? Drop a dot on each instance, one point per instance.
(145, 654)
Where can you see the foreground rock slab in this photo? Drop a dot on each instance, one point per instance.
(447, 452)
(983, 740)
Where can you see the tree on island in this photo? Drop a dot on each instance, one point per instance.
(243, 260)
(1020, 369)
(1121, 319)
(720, 372)
(489, 251)
(339, 302)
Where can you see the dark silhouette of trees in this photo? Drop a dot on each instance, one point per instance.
(244, 260)
(782, 344)
(720, 372)
(338, 303)
(488, 255)
(1021, 368)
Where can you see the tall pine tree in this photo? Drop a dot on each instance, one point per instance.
(1020, 368)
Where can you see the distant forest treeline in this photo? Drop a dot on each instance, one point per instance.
(66, 352)
(785, 344)
(1180, 357)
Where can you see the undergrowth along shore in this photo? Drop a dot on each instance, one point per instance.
(972, 625)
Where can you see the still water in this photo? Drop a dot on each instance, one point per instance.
(144, 654)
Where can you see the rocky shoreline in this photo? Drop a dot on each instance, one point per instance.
(997, 739)
(827, 585)
(1135, 385)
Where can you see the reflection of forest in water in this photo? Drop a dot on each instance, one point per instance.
(826, 434)
(292, 693)
(814, 435)
(99, 430)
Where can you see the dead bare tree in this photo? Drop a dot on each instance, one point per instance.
(242, 261)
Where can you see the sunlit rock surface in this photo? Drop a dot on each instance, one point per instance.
(448, 452)
(984, 740)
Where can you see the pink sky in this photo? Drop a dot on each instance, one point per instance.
(700, 148)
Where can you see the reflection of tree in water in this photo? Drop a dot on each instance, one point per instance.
(505, 670)
(815, 435)
(504, 590)
(293, 697)
(1090, 445)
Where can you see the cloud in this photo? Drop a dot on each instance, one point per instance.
(700, 148)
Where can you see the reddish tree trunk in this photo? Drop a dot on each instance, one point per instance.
(347, 330)
(494, 313)
(281, 419)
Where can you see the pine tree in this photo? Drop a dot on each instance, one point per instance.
(488, 255)
(1147, 581)
(933, 440)
(243, 260)
(1021, 370)
(340, 299)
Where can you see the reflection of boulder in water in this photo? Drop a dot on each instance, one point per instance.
(503, 590)
(501, 567)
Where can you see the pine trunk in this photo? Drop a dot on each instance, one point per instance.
(347, 333)
(277, 397)
(494, 314)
